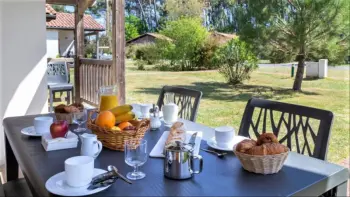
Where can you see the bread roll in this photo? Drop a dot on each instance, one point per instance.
(245, 145)
(258, 150)
(60, 108)
(275, 148)
(176, 134)
(267, 138)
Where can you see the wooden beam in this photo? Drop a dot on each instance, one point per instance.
(78, 46)
(118, 47)
(97, 45)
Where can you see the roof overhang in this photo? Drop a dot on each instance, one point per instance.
(68, 28)
(70, 2)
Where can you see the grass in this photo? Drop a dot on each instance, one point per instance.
(226, 103)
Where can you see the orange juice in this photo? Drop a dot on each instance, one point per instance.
(108, 102)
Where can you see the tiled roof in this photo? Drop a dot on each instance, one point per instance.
(159, 36)
(66, 21)
(50, 10)
(155, 35)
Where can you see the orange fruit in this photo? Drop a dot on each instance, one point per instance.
(105, 119)
(123, 125)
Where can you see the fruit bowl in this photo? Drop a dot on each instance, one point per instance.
(115, 139)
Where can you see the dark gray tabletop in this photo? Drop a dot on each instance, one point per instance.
(300, 176)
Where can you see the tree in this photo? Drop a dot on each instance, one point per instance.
(181, 8)
(293, 26)
(188, 36)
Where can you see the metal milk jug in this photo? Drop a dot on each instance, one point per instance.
(178, 164)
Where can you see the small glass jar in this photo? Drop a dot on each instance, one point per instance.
(155, 120)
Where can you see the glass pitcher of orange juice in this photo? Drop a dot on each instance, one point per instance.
(108, 97)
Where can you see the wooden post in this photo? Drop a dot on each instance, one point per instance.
(78, 45)
(97, 45)
(118, 47)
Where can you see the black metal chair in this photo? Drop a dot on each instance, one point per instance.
(303, 129)
(15, 188)
(187, 99)
(58, 81)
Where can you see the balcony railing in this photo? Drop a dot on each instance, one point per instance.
(94, 74)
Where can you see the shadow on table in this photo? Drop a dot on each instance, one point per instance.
(242, 92)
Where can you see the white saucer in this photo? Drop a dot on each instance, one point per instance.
(229, 147)
(30, 131)
(57, 185)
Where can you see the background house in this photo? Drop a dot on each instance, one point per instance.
(60, 32)
(147, 38)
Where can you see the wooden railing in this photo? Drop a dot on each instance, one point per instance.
(93, 74)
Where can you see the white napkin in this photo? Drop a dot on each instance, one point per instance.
(157, 150)
(71, 137)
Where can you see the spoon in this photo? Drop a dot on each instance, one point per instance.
(115, 170)
(213, 152)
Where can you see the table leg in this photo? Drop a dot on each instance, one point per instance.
(342, 189)
(11, 162)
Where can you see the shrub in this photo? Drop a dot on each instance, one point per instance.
(147, 52)
(140, 65)
(204, 56)
(237, 61)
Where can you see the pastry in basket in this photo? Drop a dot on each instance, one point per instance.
(267, 138)
(177, 134)
(245, 145)
(67, 109)
(267, 144)
(65, 112)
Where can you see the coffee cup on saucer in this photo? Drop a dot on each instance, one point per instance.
(42, 124)
(79, 170)
(224, 136)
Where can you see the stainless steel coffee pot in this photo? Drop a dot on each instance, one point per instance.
(178, 164)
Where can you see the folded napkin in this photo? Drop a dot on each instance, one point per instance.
(157, 150)
(49, 144)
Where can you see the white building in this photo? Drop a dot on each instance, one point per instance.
(60, 32)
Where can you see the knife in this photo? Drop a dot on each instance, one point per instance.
(104, 183)
(192, 141)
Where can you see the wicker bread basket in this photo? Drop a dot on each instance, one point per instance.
(262, 164)
(65, 116)
(115, 139)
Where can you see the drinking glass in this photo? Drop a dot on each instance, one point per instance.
(80, 118)
(135, 156)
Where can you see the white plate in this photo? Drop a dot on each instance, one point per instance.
(212, 143)
(30, 131)
(57, 185)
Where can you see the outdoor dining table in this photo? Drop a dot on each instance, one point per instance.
(300, 176)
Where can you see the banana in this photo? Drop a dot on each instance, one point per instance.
(117, 111)
(125, 117)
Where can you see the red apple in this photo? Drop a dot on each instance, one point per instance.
(59, 129)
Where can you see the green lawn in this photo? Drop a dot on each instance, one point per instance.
(223, 104)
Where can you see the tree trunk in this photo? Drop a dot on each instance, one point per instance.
(300, 71)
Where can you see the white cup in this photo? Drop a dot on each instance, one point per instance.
(224, 135)
(79, 170)
(42, 124)
(170, 113)
(145, 110)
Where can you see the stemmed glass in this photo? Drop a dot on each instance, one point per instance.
(135, 156)
(80, 118)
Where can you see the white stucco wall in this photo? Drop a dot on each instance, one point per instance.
(52, 43)
(23, 60)
(66, 38)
